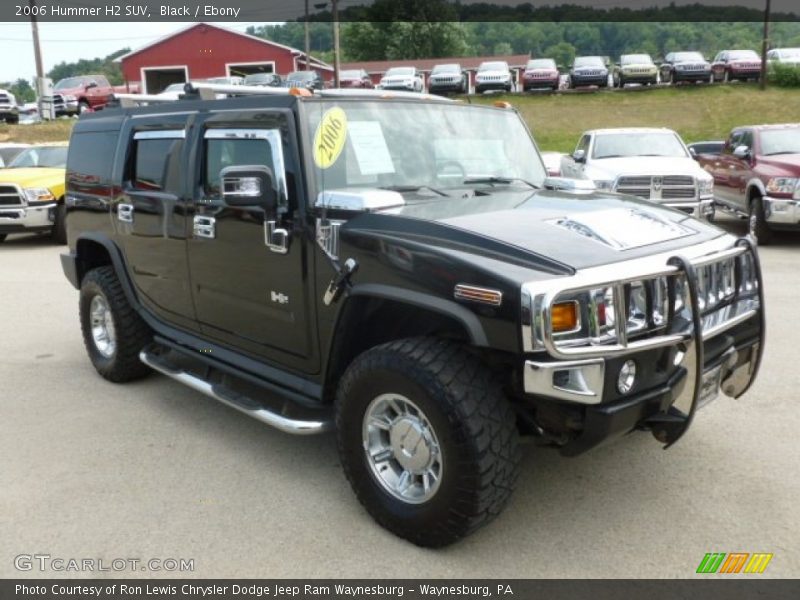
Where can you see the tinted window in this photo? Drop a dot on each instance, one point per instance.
(156, 164)
(589, 61)
(221, 153)
(542, 63)
(493, 66)
(614, 145)
(91, 158)
(446, 69)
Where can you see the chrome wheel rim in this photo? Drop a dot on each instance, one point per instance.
(104, 335)
(402, 449)
(753, 223)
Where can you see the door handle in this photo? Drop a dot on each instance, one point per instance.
(125, 213)
(205, 227)
(276, 238)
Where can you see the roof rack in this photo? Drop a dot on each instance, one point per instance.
(216, 91)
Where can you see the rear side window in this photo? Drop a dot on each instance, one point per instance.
(156, 162)
(91, 158)
(222, 153)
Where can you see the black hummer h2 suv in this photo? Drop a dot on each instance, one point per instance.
(363, 262)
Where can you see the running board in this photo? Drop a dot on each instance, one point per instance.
(243, 404)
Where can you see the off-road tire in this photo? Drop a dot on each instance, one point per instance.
(59, 231)
(471, 417)
(757, 224)
(132, 333)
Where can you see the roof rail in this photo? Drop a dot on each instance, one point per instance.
(209, 91)
(131, 100)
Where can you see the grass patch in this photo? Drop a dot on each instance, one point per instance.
(36, 133)
(695, 112)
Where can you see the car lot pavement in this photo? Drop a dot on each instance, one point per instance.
(155, 470)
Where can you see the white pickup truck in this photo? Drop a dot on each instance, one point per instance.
(653, 164)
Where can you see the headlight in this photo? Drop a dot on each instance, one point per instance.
(784, 185)
(604, 184)
(69, 98)
(38, 195)
(705, 187)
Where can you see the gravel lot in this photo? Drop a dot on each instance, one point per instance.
(156, 470)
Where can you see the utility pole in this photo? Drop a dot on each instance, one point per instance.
(308, 41)
(37, 52)
(764, 48)
(335, 4)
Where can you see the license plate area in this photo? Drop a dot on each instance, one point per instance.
(709, 390)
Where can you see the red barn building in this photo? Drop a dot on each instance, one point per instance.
(202, 51)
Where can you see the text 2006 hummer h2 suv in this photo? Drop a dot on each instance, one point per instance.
(364, 262)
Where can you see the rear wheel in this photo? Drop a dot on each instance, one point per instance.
(113, 332)
(59, 232)
(427, 439)
(757, 224)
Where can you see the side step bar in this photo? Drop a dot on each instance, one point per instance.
(245, 405)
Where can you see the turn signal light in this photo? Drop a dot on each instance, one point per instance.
(299, 92)
(502, 104)
(564, 317)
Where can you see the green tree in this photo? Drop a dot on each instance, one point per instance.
(22, 90)
(563, 53)
(402, 39)
(96, 66)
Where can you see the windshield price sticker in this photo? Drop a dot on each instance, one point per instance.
(330, 137)
(369, 144)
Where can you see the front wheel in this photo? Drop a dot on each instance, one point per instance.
(113, 332)
(427, 439)
(757, 223)
(59, 231)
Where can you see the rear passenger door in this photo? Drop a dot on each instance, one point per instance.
(249, 266)
(151, 216)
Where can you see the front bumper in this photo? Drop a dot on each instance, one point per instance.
(745, 73)
(639, 77)
(719, 347)
(539, 82)
(579, 80)
(783, 212)
(483, 86)
(402, 87)
(698, 209)
(691, 75)
(444, 86)
(27, 218)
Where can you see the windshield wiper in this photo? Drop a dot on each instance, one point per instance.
(503, 180)
(412, 188)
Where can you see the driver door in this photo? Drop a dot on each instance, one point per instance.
(248, 272)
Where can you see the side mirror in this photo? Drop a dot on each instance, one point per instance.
(566, 184)
(90, 85)
(250, 185)
(742, 152)
(579, 156)
(693, 152)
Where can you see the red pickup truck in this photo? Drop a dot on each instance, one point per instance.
(757, 176)
(74, 95)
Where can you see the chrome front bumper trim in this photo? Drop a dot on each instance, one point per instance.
(581, 380)
(29, 216)
(785, 211)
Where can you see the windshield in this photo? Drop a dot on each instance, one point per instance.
(615, 145)
(589, 61)
(743, 55)
(300, 75)
(790, 53)
(636, 59)
(780, 141)
(493, 66)
(71, 82)
(41, 156)
(400, 71)
(446, 69)
(411, 145)
(542, 63)
(688, 57)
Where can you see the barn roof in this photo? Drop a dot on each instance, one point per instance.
(314, 61)
(426, 64)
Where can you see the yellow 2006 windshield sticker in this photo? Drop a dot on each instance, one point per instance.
(330, 137)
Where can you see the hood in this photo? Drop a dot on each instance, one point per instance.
(493, 74)
(35, 177)
(646, 165)
(788, 163)
(551, 231)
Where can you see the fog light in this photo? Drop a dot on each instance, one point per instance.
(627, 377)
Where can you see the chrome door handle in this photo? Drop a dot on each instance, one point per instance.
(276, 238)
(205, 227)
(125, 213)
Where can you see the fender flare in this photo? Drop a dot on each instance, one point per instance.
(447, 308)
(755, 182)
